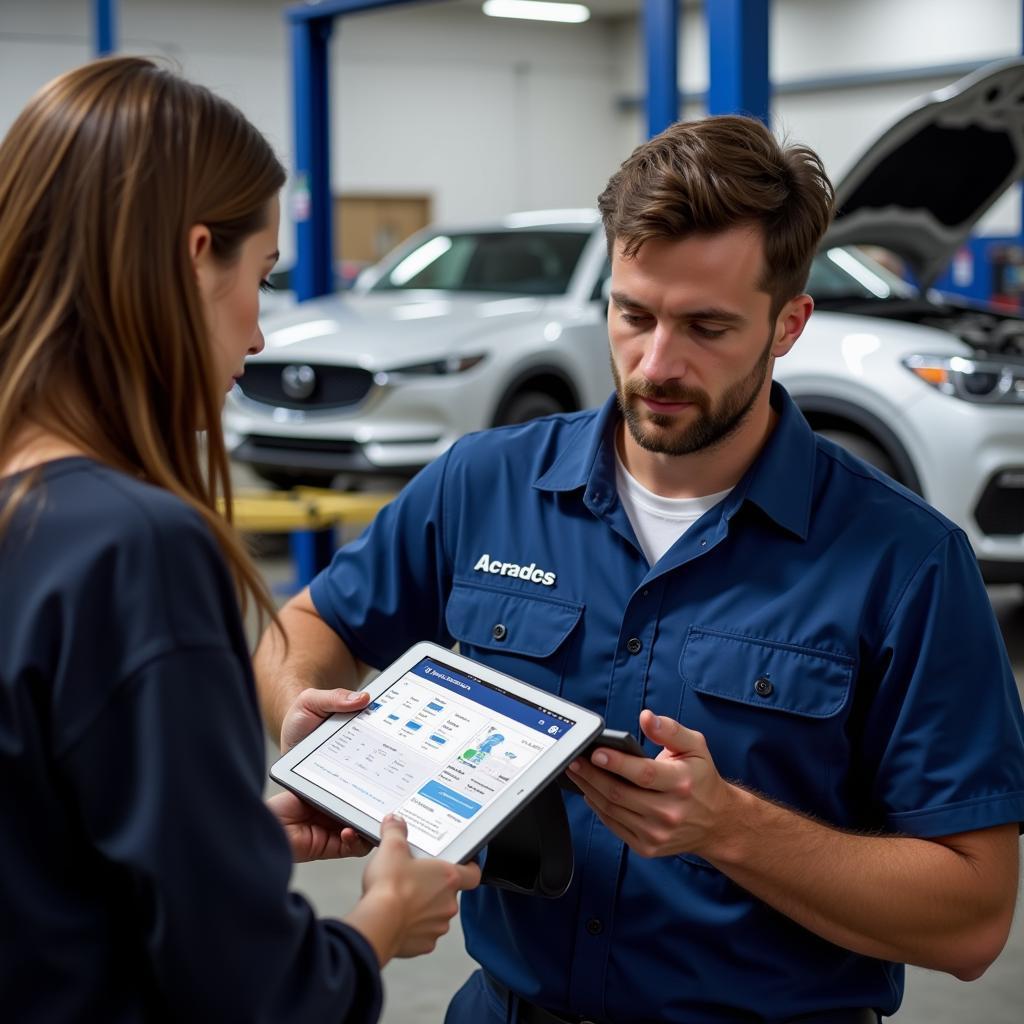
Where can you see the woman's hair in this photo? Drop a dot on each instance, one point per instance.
(102, 336)
(707, 176)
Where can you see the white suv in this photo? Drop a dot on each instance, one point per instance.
(478, 326)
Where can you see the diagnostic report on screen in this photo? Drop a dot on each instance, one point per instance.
(437, 746)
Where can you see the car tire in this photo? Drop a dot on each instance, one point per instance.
(863, 448)
(527, 405)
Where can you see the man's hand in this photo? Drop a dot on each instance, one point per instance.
(303, 652)
(657, 806)
(312, 707)
(314, 835)
(943, 903)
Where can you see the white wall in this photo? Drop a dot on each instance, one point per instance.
(484, 116)
(37, 42)
(489, 115)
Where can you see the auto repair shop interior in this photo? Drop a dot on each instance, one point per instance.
(443, 268)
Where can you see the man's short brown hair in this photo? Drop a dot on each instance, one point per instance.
(703, 177)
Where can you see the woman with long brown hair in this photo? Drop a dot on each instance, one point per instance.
(143, 878)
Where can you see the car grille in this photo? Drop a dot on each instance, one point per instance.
(332, 387)
(1000, 511)
(303, 444)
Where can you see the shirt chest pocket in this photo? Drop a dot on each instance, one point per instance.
(525, 635)
(774, 714)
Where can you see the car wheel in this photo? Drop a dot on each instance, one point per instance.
(864, 449)
(527, 405)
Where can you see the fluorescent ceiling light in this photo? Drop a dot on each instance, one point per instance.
(535, 10)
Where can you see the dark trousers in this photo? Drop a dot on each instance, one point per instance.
(479, 1002)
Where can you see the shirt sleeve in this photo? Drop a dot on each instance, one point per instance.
(165, 783)
(945, 730)
(387, 590)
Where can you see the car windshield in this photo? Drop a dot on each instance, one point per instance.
(513, 262)
(846, 273)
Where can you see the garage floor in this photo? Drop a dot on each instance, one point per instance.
(417, 991)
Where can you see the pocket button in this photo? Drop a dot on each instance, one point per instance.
(499, 632)
(763, 687)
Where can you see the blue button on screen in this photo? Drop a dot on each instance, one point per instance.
(450, 800)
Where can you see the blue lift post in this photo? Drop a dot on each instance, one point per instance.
(310, 26)
(661, 41)
(313, 273)
(738, 81)
(104, 20)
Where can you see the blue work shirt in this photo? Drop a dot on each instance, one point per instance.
(826, 630)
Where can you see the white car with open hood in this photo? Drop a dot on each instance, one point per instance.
(470, 327)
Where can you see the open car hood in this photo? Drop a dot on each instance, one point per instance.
(921, 187)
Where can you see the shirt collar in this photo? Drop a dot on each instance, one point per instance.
(779, 482)
(590, 459)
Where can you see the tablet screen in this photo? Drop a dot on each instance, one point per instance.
(437, 746)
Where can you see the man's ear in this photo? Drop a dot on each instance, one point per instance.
(790, 323)
(200, 250)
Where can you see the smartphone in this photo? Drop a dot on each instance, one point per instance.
(613, 739)
(617, 739)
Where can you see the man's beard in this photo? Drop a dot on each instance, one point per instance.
(713, 424)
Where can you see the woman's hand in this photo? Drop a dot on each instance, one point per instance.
(407, 901)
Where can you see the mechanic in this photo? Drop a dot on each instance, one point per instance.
(807, 648)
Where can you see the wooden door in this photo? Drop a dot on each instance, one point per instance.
(366, 227)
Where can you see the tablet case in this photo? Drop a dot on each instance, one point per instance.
(532, 854)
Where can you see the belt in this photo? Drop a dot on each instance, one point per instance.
(530, 1013)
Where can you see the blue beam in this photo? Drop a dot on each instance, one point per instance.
(738, 52)
(335, 8)
(661, 39)
(104, 21)
(311, 190)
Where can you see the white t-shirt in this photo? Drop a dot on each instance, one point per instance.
(659, 522)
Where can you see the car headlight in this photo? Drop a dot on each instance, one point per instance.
(983, 380)
(435, 368)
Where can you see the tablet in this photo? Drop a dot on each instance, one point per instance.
(452, 745)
